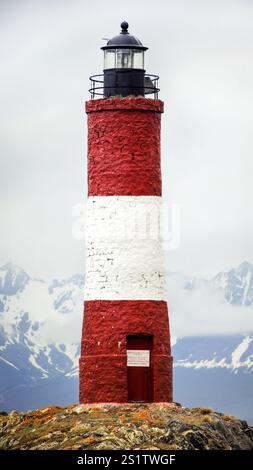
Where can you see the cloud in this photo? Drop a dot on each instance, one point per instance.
(203, 311)
(202, 52)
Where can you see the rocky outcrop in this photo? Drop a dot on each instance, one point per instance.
(123, 426)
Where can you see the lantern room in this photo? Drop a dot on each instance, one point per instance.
(124, 72)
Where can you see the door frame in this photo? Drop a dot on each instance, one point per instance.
(150, 337)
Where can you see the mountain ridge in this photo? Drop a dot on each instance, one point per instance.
(40, 329)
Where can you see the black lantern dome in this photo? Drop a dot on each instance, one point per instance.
(124, 65)
(124, 72)
(124, 39)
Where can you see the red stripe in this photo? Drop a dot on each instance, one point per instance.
(124, 147)
(103, 353)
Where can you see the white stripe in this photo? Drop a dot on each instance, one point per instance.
(124, 255)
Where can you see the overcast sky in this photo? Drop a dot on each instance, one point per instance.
(203, 52)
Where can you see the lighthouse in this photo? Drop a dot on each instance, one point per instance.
(125, 347)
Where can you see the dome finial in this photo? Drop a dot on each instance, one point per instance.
(124, 27)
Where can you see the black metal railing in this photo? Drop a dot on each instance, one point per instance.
(98, 89)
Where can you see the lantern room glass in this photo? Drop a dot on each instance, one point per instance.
(138, 59)
(109, 59)
(123, 59)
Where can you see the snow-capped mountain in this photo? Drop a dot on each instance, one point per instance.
(215, 371)
(232, 353)
(40, 329)
(237, 284)
(12, 279)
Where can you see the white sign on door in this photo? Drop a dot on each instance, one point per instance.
(138, 357)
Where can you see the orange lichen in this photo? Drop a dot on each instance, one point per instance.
(88, 439)
(132, 426)
(23, 424)
(143, 426)
(51, 409)
(142, 415)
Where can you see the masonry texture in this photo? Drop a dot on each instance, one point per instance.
(125, 289)
(106, 324)
(124, 147)
(124, 255)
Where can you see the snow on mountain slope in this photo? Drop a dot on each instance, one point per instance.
(215, 371)
(37, 334)
(239, 352)
(65, 301)
(237, 284)
(230, 352)
(12, 279)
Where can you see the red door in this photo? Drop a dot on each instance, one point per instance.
(139, 373)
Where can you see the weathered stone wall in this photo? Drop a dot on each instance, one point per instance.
(124, 254)
(125, 281)
(103, 356)
(124, 147)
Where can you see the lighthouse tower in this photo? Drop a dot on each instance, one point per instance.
(125, 349)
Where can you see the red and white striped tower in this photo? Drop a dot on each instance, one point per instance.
(125, 350)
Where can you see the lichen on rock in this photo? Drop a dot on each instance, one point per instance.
(166, 426)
